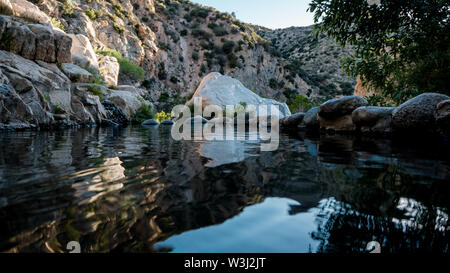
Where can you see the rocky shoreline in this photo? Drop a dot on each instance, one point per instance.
(426, 114)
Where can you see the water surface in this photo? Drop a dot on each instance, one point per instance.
(137, 190)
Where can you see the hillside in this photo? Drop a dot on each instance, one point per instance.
(316, 59)
(148, 55)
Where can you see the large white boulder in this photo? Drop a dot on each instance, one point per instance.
(220, 90)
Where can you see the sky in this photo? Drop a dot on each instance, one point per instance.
(268, 13)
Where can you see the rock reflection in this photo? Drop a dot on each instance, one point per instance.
(128, 189)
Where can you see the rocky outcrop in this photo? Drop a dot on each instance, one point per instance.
(109, 68)
(216, 89)
(293, 121)
(34, 41)
(29, 11)
(76, 73)
(373, 119)
(6, 7)
(418, 114)
(336, 114)
(310, 121)
(83, 53)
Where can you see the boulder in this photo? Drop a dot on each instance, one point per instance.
(150, 122)
(216, 89)
(17, 38)
(82, 46)
(6, 7)
(128, 102)
(442, 116)
(109, 68)
(167, 122)
(34, 41)
(418, 114)
(63, 46)
(336, 114)
(373, 119)
(114, 114)
(27, 10)
(45, 43)
(293, 121)
(76, 73)
(310, 120)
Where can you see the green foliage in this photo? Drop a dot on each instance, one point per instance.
(402, 47)
(57, 23)
(120, 29)
(144, 113)
(91, 14)
(120, 12)
(95, 90)
(195, 56)
(126, 66)
(378, 100)
(162, 116)
(200, 12)
(132, 70)
(228, 46)
(200, 33)
(300, 103)
(58, 110)
(218, 30)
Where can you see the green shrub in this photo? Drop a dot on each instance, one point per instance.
(218, 30)
(232, 60)
(132, 70)
(200, 33)
(144, 113)
(126, 66)
(300, 104)
(91, 14)
(184, 32)
(95, 90)
(118, 28)
(195, 56)
(200, 12)
(58, 24)
(228, 46)
(58, 110)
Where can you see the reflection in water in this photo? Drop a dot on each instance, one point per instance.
(138, 190)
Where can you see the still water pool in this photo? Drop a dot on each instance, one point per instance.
(137, 190)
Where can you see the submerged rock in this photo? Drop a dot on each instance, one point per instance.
(167, 122)
(373, 119)
(418, 114)
(336, 114)
(216, 89)
(150, 122)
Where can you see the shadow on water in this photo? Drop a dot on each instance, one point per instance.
(138, 190)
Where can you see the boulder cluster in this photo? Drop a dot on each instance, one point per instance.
(428, 113)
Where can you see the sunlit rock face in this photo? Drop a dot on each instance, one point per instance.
(220, 90)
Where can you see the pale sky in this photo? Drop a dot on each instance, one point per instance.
(268, 13)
